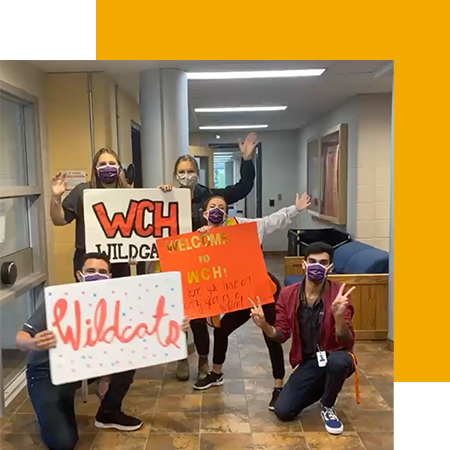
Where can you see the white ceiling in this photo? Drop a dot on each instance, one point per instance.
(306, 98)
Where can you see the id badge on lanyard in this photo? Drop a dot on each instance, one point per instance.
(321, 357)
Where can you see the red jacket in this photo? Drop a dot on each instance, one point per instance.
(287, 325)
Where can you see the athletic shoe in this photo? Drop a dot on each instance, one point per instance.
(331, 421)
(213, 379)
(182, 372)
(203, 368)
(275, 394)
(117, 420)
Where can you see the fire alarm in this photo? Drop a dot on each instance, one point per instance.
(9, 273)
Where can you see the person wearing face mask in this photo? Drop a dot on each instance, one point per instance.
(107, 173)
(186, 174)
(216, 214)
(317, 314)
(54, 405)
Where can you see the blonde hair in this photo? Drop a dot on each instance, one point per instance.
(95, 182)
(185, 158)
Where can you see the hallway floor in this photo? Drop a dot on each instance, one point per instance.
(234, 416)
(231, 417)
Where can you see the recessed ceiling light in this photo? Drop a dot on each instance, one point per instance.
(241, 109)
(232, 127)
(254, 74)
(217, 136)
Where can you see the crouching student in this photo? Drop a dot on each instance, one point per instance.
(216, 214)
(54, 405)
(317, 313)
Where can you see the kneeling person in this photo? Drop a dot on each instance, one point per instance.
(318, 315)
(54, 405)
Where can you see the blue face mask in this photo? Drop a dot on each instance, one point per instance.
(95, 277)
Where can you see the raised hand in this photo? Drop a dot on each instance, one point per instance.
(340, 303)
(248, 147)
(165, 187)
(45, 340)
(59, 185)
(257, 313)
(302, 202)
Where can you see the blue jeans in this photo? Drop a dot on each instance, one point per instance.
(55, 405)
(310, 383)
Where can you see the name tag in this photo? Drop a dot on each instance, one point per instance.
(321, 359)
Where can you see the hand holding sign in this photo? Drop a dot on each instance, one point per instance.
(45, 340)
(113, 326)
(125, 223)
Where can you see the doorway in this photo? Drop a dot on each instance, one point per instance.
(227, 163)
(136, 153)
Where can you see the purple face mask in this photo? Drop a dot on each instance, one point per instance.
(316, 272)
(216, 216)
(94, 277)
(108, 174)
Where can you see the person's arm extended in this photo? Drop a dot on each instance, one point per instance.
(45, 340)
(242, 188)
(57, 211)
(281, 331)
(279, 219)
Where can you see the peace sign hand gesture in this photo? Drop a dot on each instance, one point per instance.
(248, 147)
(257, 313)
(340, 303)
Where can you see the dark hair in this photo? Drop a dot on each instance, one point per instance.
(210, 199)
(277, 284)
(97, 255)
(95, 182)
(319, 247)
(185, 158)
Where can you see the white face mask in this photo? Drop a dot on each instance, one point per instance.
(187, 179)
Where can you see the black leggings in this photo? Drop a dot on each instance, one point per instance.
(199, 329)
(231, 322)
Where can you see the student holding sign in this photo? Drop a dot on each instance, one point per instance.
(186, 172)
(317, 313)
(54, 404)
(107, 172)
(216, 211)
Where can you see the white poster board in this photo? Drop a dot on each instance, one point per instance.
(125, 223)
(105, 327)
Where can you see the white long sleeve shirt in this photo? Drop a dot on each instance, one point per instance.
(274, 222)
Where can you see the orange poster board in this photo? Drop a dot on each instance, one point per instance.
(219, 269)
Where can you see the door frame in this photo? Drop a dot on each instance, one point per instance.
(33, 192)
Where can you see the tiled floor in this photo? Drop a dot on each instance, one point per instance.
(232, 417)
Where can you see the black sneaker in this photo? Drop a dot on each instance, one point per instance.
(275, 394)
(213, 379)
(117, 420)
